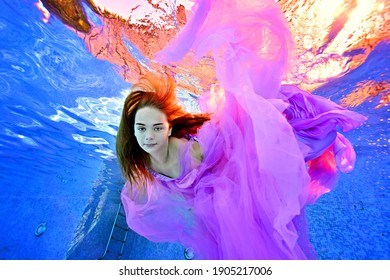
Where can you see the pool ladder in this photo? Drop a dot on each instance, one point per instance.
(118, 236)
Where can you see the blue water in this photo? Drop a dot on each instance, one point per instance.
(60, 109)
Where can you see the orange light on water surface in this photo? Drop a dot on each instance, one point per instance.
(332, 38)
(328, 31)
(366, 91)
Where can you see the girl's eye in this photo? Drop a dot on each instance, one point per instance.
(158, 128)
(141, 128)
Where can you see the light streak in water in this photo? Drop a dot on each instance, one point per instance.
(45, 12)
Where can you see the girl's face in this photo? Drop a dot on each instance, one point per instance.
(151, 128)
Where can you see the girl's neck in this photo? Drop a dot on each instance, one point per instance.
(161, 157)
(167, 163)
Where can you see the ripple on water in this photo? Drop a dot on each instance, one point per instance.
(100, 114)
(16, 65)
(4, 86)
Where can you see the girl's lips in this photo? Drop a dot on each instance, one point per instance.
(149, 145)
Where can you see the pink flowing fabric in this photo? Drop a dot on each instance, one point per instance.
(269, 150)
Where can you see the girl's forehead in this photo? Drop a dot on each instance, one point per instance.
(150, 115)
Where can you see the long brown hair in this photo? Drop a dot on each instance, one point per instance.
(158, 91)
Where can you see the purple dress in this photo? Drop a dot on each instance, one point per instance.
(269, 150)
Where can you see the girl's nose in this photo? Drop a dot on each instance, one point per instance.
(149, 135)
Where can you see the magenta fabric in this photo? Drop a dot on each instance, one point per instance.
(269, 150)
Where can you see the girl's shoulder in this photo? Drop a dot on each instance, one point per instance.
(191, 144)
(196, 151)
